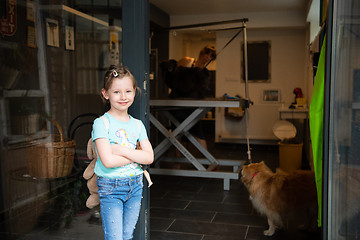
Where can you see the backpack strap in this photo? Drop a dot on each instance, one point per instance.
(138, 124)
(146, 173)
(106, 122)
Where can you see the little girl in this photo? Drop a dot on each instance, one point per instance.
(120, 178)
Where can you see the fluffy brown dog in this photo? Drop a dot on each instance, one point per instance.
(287, 199)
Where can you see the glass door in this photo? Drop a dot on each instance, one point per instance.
(53, 55)
(343, 196)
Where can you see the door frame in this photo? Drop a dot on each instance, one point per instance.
(135, 55)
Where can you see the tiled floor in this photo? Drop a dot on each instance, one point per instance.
(189, 208)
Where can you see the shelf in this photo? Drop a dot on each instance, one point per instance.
(25, 140)
(286, 113)
(23, 93)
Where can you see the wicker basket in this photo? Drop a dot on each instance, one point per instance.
(51, 156)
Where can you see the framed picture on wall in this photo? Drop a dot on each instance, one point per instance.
(52, 32)
(258, 61)
(31, 37)
(271, 96)
(30, 10)
(69, 38)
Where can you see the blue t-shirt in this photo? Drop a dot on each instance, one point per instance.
(124, 133)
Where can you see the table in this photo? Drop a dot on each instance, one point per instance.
(287, 113)
(182, 129)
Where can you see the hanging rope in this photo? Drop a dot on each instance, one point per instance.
(246, 93)
(224, 46)
(247, 100)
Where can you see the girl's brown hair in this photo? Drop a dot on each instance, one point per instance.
(117, 71)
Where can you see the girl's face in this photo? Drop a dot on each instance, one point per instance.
(121, 94)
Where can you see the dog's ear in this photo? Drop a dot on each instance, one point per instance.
(245, 166)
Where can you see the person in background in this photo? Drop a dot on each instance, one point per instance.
(120, 176)
(190, 79)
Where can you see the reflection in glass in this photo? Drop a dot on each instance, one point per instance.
(344, 175)
(52, 60)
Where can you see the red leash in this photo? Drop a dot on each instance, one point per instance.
(254, 176)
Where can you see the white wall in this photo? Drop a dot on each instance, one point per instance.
(287, 63)
(287, 72)
(256, 19)
(313, 18)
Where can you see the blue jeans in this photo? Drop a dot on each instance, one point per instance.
(120, 201)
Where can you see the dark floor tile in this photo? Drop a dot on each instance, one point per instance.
(167, 203)
(158, 192)
(21, 226)
(255, 232)
(79, 229)
(160, 224)
(183, 195)
(180, 195)
(50, 220)
(181, 214)
(219, 207)
(238, 198)
(252, 220)
(237, 186)
(209, 197)
(155, 235)
(293, 235)
(165, 178)
(197, 227)
(207, 237)
(163, 185)
(52, 237)
(215, 186)
(193, 181)
(9, 236)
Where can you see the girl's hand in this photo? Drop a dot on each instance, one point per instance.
(118, 149)
(144, 155)
(107, 157)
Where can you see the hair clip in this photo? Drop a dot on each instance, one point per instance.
(115, 74)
